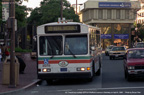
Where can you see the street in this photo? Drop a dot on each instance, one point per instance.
(111, 82)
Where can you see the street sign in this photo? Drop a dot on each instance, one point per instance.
(5, 11)
(114, 5)
(106, 36)
(121, 36)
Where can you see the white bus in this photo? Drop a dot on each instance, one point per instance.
(68, 50)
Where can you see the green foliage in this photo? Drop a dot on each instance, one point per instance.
(22, 50)
(50, 12)
(20, 14)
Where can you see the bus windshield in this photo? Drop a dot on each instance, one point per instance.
(76, 45)
(51, 45)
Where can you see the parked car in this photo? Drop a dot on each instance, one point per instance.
(139, 45)
(134, 63)
(107, 50)
(117, 51)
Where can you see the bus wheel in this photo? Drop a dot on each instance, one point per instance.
(49, 81)
(90, 79)
(98, 72)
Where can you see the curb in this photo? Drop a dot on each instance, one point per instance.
(21, 89)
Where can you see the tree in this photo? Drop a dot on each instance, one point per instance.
(50, 12)
(20, 14)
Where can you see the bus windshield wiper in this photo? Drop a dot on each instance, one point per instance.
(52, 56)
(67, 47)
(72, 53)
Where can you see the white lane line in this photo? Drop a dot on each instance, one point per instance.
(65, 90)
(116, 88)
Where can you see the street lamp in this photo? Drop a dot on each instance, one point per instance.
(61, 9)
(76, 6)
(11, 26)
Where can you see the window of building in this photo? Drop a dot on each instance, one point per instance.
(117, 14)
(108, 14)
(127, 14)
(100, 14)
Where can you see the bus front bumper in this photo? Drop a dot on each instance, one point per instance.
(64, 75)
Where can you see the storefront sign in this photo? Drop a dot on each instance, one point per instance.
(114, 5)
(121, 36)
(106, 36)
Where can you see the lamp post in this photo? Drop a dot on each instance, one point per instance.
(61, 9)
(76, 6)
(11, 26)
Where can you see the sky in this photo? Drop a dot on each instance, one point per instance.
(36, 3)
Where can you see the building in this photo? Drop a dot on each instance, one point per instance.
(140, 13)
(114, 17)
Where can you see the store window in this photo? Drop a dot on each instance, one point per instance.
(121, 28)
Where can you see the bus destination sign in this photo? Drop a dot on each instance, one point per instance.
(62, 29)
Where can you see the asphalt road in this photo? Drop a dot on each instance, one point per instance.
(111, 82)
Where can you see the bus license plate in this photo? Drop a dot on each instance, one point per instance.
(63, 69)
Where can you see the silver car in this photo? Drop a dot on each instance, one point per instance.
(108, 49)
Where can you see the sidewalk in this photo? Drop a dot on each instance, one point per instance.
(25, 80)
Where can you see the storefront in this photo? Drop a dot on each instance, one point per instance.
(114, 17)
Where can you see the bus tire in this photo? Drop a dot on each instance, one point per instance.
(98, 73)
(49, 81)
(90, 79)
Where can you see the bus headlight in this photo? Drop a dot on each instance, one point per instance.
(46, 70)
(81, 69)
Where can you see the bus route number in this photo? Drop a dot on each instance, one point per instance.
(46, 65)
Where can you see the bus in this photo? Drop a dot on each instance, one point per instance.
(68, 50)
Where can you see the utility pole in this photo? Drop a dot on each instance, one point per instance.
(11, 25)
(61, 9)
(76, 6)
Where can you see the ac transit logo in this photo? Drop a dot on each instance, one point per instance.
(63, 63)
(46, 61)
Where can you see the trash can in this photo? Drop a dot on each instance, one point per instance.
(6, 71)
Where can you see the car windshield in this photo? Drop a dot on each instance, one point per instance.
(110, 47)
(118, 49)
(140, 45)
(136, 54)
(76, 45)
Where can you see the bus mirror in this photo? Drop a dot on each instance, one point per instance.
(34, 38)
(92, 48)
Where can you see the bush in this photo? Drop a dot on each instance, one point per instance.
(18, 49)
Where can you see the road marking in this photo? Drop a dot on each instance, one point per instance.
(65, 90)
(116, 88)
(33, 92)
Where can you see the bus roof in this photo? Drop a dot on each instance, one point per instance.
(84, 27)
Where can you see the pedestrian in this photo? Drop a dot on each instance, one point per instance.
(22, 65)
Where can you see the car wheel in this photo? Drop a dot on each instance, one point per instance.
(110, 57)
(128, 77)
(113, 57)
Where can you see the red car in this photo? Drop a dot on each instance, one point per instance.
(134, 63)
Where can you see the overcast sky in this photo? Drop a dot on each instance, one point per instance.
(36, 3)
